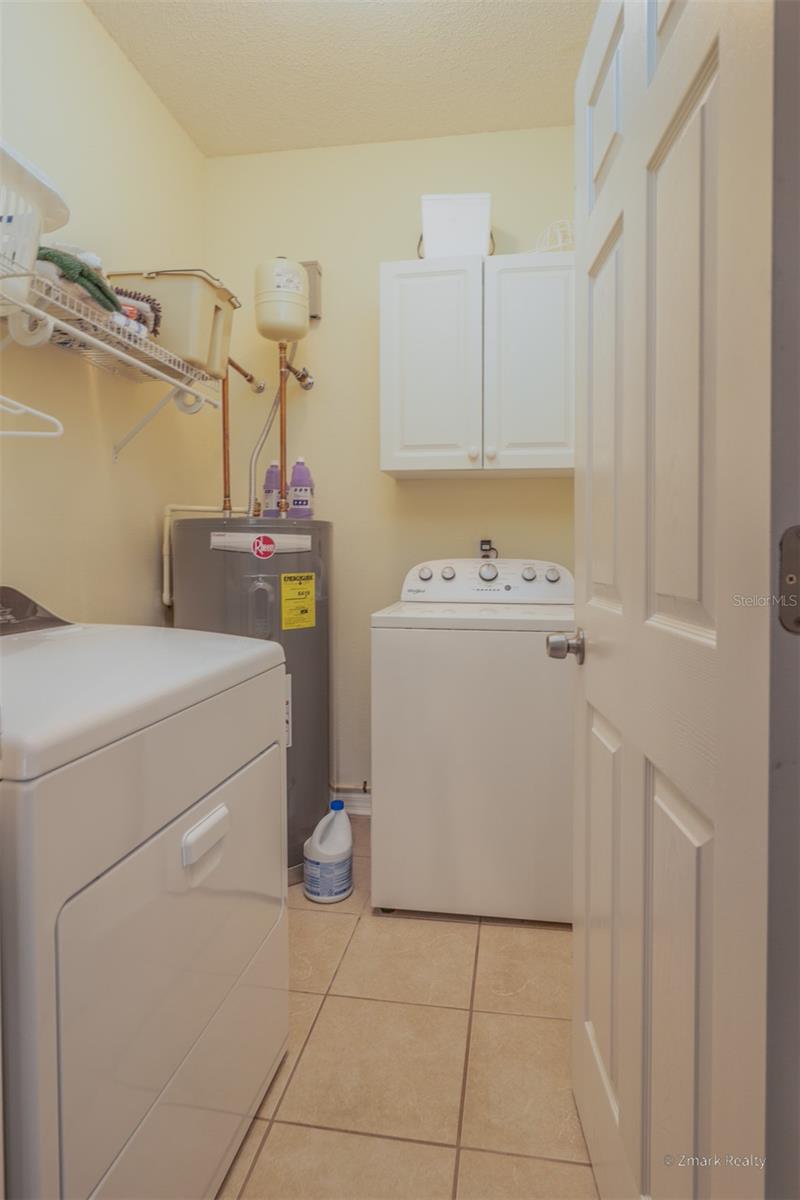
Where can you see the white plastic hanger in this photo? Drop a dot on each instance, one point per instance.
(15, 409)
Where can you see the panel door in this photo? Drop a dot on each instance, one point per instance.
(529, 363)
(431, 365)
(673, 169)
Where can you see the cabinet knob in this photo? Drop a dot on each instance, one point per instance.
(491, 452)
(473, 452)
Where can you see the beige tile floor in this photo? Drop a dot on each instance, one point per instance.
(428, 1060)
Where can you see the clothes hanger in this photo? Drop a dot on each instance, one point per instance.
(14, 408)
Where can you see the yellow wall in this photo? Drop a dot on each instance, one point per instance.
(352, 207)
(80, 532)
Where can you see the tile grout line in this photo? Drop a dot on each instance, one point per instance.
(271, 1120)
(395, 1137)
(462, 1102)
(492, 1012)
(567, 1162)
(381, 1137)
(405, 1003)
(325, 995)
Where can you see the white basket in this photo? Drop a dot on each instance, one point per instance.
(557, 237)
(29, 207)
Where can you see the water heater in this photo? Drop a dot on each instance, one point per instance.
(282, 300)
(222, 583)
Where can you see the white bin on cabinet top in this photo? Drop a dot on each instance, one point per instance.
(197, 313)
(456, 224)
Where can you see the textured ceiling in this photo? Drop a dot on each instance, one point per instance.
(243, 76)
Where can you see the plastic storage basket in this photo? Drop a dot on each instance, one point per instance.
(29, 206)
(197, 313)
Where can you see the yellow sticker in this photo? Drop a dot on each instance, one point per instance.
(298, 595)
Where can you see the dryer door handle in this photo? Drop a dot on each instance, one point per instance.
(203, 836)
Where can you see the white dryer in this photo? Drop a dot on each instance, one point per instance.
(472, 754)
(143, 866)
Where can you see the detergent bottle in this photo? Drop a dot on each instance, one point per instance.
(272, 486)
(301, 491)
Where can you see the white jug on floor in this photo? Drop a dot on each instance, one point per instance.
(328, 858)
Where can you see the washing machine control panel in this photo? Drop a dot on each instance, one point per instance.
(490, 580)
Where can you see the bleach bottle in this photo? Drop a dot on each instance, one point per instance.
(328, 858)
(301, 491)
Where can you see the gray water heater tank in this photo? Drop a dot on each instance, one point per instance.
(267, 578)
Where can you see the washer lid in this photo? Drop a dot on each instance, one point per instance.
(421, 614)
(67, 691)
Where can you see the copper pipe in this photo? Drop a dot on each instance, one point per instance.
(258, 385)
(283, 496)
(226, 449)
(245, 374)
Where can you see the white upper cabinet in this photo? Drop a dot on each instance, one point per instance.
(432, 365)
(528, 361)
(477, 365)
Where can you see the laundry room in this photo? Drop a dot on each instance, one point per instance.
(324, 520)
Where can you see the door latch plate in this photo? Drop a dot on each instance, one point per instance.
(789, 582)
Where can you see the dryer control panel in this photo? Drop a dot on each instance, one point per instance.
(492, 580)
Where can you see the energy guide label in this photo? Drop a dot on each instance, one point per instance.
(298, 600)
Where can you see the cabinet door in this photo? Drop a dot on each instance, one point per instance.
(529, 362)
(431, 365)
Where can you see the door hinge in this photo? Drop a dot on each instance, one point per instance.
(789, 580)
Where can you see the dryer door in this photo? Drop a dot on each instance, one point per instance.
(148, 954)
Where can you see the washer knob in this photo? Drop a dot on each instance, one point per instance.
(425, 573)
(487, 571)
(448, 573)
(529, 574)
(552, 574)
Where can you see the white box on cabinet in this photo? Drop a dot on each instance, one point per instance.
(477, 364)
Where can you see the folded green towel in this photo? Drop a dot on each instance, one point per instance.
(77, 272)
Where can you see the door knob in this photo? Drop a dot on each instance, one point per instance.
(559, 645)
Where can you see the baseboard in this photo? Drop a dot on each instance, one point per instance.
(358, 804)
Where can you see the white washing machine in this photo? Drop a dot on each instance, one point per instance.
(472, 753)
(143, 877)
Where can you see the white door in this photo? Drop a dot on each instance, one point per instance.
(529, 363)
(674, 136)
(432, 365)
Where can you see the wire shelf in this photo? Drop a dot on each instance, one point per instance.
(55, 301)
(56, 316)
